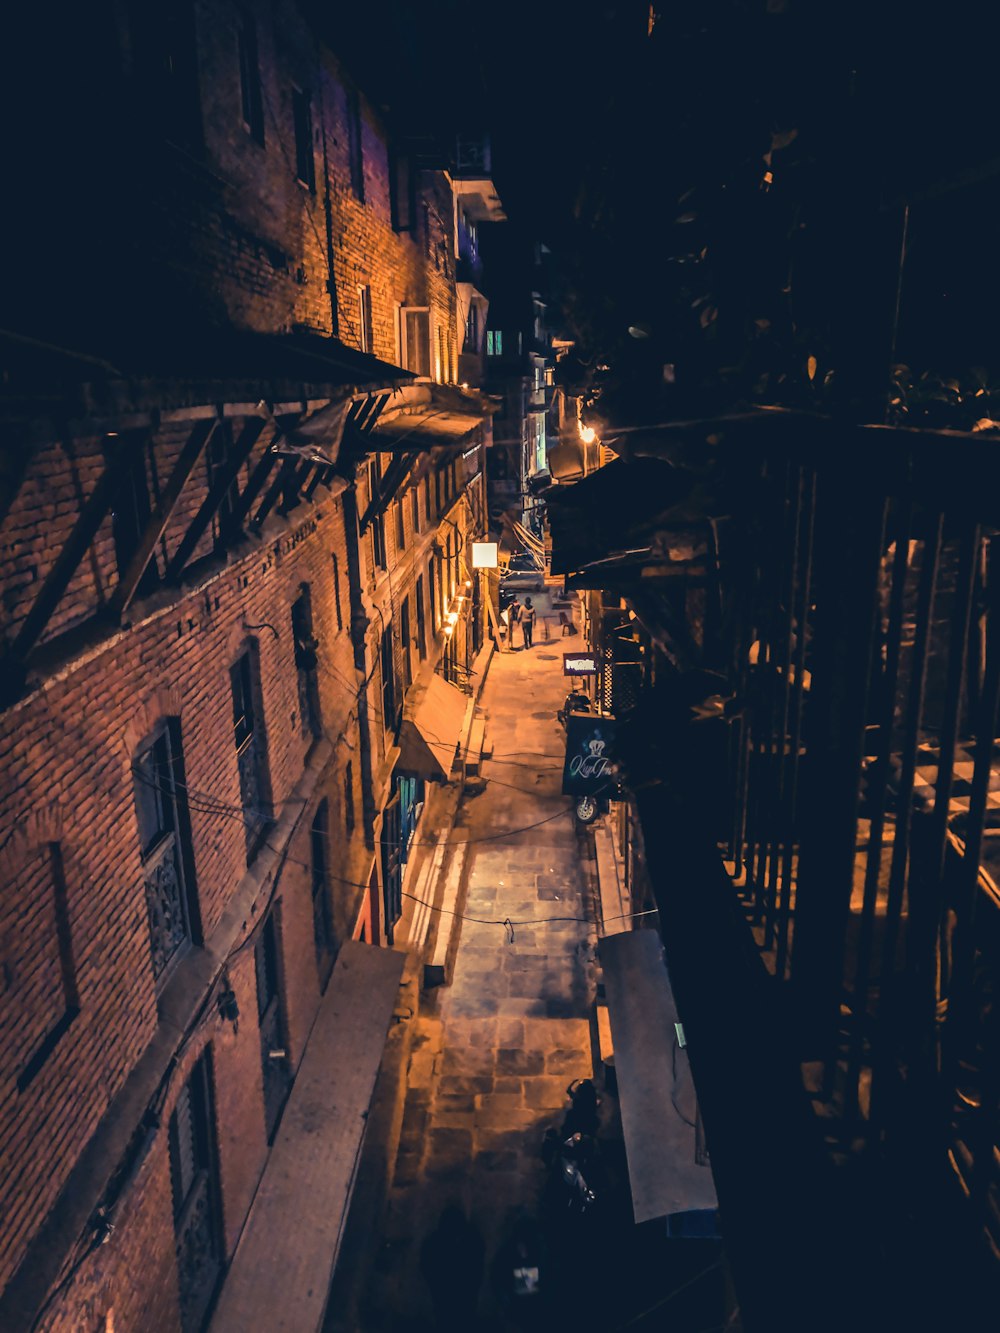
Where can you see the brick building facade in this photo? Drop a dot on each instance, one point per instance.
(231, 537)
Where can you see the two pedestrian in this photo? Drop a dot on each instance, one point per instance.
(527, 621)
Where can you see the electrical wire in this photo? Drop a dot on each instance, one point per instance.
(637, 1319)
(239, 813)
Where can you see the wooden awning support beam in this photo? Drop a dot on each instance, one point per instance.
(395, 475)
(253, 488)
(289, 466)
(292, 494)
(239, 452)
(95, 510)
(156, 526)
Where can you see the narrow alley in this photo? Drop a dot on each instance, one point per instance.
(494, 1051)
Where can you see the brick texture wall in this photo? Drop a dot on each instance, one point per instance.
(215, 229)
(75, 740)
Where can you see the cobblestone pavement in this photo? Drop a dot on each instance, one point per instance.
(494, 1051)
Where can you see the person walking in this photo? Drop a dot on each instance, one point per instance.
(527, 621)
(515, 610)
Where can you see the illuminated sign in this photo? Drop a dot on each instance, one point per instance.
(579, 664)
(484, 555)
(590, 767)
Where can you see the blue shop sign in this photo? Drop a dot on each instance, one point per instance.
(590, 767)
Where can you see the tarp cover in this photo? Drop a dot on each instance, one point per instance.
(654, 1081)
(432, 725)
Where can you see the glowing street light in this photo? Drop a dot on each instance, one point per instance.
(587, 434)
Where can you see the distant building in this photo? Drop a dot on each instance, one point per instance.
(519, 361)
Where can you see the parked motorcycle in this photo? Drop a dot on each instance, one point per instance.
(571, 1153)
(567, 1159)
(577, 701)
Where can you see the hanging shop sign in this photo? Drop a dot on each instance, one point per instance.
(485, 555)
(579, 664)
(590, 767)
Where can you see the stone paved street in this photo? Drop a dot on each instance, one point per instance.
(494, 1051)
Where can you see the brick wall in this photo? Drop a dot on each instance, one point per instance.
(220, 230)
(74, 740)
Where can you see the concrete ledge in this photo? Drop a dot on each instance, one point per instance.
(614, 897)
(280, 1274)
(438, 968)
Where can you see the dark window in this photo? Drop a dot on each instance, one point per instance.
(421, 625)
(388, 681)
(392, 866)
(415, 509)
(165, 847)
(130, 515)
(270, 1016)
(438, 478)
(378, 542)
(336, 592)
(354, 146)
(400, 527)
(305, 163)
(250, 752)
(427, 497)
(472, 330)
(321, 904)
(401, 192)
(436, 594)
(404, 639)
(349, 797)
(416, 340)
(366, 336)
(306, 647)
(377, 525)
(250, 90)
(46, 990)
(194, 1177)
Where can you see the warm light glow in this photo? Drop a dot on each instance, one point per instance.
(468, 584)
(485, 555)
(452, 617)
(587, 434)
(449, 629)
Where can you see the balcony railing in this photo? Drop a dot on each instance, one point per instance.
(864, 587)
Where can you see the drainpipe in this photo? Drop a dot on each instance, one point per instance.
(359, 630)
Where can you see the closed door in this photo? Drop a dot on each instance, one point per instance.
(274, 1057)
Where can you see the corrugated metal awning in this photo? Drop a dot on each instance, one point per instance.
(654, 1080)
(432, 726)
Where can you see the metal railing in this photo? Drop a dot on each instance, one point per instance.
(861, 596)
